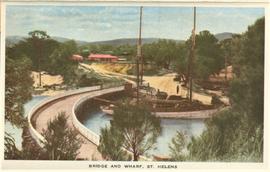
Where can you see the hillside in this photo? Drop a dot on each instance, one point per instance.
(11, 40)
(224, 35)
(130, 41)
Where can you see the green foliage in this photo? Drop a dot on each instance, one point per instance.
(178, 147)
(37, 47)
(11, 151)
(215, 142)
(135, 128)
(18, 86)
(228, 138)
(248, 86)
(236, 134)
(139, 127)
(62, 143)
(162, 53)
(110, 146)
(86, 81)
(47, 54)
(208, 59)
(60, 62)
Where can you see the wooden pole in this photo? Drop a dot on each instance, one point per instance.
(192, 55)
(139, 54)
(140, 47)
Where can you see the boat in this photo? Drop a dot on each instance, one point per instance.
(107, 109)
(200, 114)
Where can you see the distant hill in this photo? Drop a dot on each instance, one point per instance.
(130, 41)
(224, 35)
(11, 40)
(61, 39)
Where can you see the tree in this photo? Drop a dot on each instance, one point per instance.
(18, 88)
(61, 63)
(61, 142)
(11, 151)
(226, 48)
(162, 53)
(208, 55)
(178, 146)
(247, 89)
(38, 38)
(30, 48)
(236, 134)
(181, 62)
(110, 146)
(138, 127)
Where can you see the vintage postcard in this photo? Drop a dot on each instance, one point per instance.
(141, 85)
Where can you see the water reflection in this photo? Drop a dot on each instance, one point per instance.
(17, 132)
(96, 119)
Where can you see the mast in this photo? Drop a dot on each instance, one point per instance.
(140, 47)
(139, 56)
(192, 56)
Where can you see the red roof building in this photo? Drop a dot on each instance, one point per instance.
(77, 57)
(102, 57)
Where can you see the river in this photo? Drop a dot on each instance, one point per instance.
(17, 132)
(95, 119)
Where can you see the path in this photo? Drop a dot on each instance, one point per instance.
(49, 112)
(164, 83)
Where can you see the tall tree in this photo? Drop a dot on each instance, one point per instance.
(18, 87)
(29, 47)
(208, 55)
(236, 134)
(162, 53)
(226, 48)
(61, 63)
(248, 86)
(110, 146)
(62, 143)
(38, 38)
(138, 127)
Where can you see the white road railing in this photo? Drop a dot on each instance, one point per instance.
(36, 135)
(90, 135)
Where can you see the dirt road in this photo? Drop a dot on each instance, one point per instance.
(163, 83)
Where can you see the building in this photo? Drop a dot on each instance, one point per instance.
(77, 57)
(102, 58)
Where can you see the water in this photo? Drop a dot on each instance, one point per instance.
(96, 119)
(17, 132)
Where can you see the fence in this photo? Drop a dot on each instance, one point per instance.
(90, 135)
(33, 112)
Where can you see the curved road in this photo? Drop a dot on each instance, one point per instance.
(88, 150)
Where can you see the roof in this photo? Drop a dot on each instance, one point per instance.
(76, 57)
(100, 56)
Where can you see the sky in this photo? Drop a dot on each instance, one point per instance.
(98, 23)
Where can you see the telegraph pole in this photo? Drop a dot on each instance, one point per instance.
(192, 56)
(140, 46)
(139, 56)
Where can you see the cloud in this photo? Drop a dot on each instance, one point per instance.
(94, 23)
